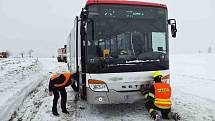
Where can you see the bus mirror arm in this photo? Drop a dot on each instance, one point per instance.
(172, 23)
(83, 32)
(84, 15)
(93, 37)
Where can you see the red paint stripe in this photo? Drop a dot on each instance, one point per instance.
(125, 2)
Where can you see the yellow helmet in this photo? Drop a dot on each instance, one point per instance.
(156, 73)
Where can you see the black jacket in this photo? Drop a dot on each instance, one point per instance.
(59, 80)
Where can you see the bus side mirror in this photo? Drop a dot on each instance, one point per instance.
(172, 23)
(84, 15)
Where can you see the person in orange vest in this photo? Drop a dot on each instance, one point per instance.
(158, 101)
(57, 85)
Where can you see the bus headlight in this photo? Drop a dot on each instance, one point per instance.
(97, 85)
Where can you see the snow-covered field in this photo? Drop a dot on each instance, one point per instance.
(193, 82)
(24, 83)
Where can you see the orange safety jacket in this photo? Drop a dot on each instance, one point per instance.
(61, 83)
(162, 95)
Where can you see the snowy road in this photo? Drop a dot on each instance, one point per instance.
(193, 84)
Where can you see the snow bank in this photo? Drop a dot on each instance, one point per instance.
(18, 77)
(37, 105)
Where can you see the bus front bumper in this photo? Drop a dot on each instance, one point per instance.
(113, 97)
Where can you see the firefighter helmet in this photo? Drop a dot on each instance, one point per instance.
(156, 73)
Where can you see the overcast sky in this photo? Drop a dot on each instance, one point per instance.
(43, 25)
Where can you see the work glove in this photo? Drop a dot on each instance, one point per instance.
(145, 92)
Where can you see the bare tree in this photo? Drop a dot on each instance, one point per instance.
(30, 53)
(22, 54)
(199, 51)
(209, 49)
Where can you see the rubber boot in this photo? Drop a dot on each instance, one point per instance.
(65, 111)
(176, 116)
(54, 112)
(156, 115)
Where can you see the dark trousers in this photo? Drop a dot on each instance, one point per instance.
(63, 94)
(165, 112)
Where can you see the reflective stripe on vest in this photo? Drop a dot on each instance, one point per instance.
(162, 95)
(151, 95)
(67, 76)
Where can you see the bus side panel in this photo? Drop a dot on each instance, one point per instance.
(72, 49)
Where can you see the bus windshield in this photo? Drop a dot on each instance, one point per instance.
(123, 38)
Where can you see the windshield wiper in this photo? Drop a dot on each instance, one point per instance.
(153, 62)
(120, 64)
(162, 65)
(142, 61)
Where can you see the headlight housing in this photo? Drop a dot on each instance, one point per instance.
(97, 85)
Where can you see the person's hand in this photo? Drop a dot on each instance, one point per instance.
(73, 81)
(145, 92)
(50, 93)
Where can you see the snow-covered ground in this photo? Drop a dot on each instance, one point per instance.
(17, 79)
(192, 80)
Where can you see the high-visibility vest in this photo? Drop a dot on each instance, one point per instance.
(162, 95)
(65, 82)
